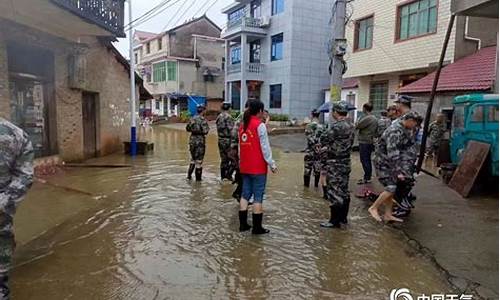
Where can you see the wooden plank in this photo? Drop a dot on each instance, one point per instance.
(473, 159)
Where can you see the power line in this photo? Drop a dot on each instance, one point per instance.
(175, 14)
(157, 13)
(148, 12)
(184, 13)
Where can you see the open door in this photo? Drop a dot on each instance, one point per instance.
(89, 115)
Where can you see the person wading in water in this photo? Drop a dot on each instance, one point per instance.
(255, 158)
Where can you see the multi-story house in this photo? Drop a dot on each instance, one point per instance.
(393, 43)
(185, 60)
(63, 82)
(276, 51)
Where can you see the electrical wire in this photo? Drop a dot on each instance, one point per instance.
(175, 14)
(184, 13)
(157, 12)
(149, 12)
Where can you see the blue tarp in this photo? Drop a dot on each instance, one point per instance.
(194, 102)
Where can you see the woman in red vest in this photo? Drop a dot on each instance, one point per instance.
(255, 158)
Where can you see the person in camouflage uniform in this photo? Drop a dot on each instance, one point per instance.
(385, 120)
(16, 177)
(312, 162)
(397, 144)
(436, 133)
(336, 145)
(198, 127)
(225, 124)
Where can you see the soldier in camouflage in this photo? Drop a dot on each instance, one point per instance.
(385, 120)
(397, 144)
(198, 127)
(336, 145)
(312, 162)
(436, 133)
(225, 124)
(16, 177)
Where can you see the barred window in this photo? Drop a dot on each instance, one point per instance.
(379, 93)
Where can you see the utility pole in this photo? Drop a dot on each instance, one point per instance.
(133, 125)
(337, 50)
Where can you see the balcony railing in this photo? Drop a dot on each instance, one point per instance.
(254, 68)
(107, 14)
(246, 21)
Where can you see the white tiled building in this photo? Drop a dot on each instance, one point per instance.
(277, 49)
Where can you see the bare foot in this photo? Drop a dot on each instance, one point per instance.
(391, 218)
(374, 213)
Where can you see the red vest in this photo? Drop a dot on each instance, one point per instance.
(251, 157)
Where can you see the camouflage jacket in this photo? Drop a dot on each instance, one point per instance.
(225, 124)
(436, 131)
(395, 153)
(198, 126)
(382, 124)
(235, 138)
(16, 164)
(336, 141)
(313, 133)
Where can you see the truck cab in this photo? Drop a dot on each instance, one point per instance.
(475, 118)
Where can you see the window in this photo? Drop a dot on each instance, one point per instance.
(136, 57)
(158, 104)
(275, 96)
(363, 34)
(255, 9)
(278, 7)
(172, 70)
(236, 15)
(492, 113)
(379, 92)
(277, 47)
(160, 45)
(148, 47)
(159, 72)
(416, 19)
(458, 116)
(235, 95)
(235, 55)
(477, 114)
(255, 52)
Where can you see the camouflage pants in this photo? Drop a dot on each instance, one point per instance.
(312, 163)
(224, 148)
(337, 180)
(433, 147)
(7, 245)
(197, 149)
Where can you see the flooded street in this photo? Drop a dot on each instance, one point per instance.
(148, 233)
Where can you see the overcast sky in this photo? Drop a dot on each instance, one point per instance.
(180, 11)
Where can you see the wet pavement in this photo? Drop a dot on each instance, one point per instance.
(147, 233)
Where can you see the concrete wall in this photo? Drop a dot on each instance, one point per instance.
(386, 55)
(181, 42)
(485, 29)
(104, 75)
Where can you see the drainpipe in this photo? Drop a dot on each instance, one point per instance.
(467, 37)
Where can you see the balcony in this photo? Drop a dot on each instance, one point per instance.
(251, 26)
(107, 14)
(254, 71)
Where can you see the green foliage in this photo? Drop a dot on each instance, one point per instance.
(185, 116)
(279, 117)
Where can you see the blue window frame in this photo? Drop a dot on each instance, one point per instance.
(236, 15)
(278, 7)
(277, 47)
(275, 96)
(235, 55)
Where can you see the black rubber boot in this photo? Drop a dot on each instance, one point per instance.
(190, 172)
(257, 224)
(316, 180)
(307, 180)
(345, 211)
(334, 221)
(198, 173)
(325, 193)
(243, 221)
(223, 173)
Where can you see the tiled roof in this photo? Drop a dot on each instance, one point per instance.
(144, 35)
(475, 72)
(349, 83)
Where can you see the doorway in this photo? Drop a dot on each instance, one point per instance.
(89, 116)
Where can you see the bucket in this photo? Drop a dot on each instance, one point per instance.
(447, 170)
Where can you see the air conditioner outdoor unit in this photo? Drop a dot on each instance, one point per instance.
(265, 22)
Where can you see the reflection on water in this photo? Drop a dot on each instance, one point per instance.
(156, 236)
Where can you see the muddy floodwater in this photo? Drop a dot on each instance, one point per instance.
(148, 233)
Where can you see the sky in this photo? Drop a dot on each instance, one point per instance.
(180, 11)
